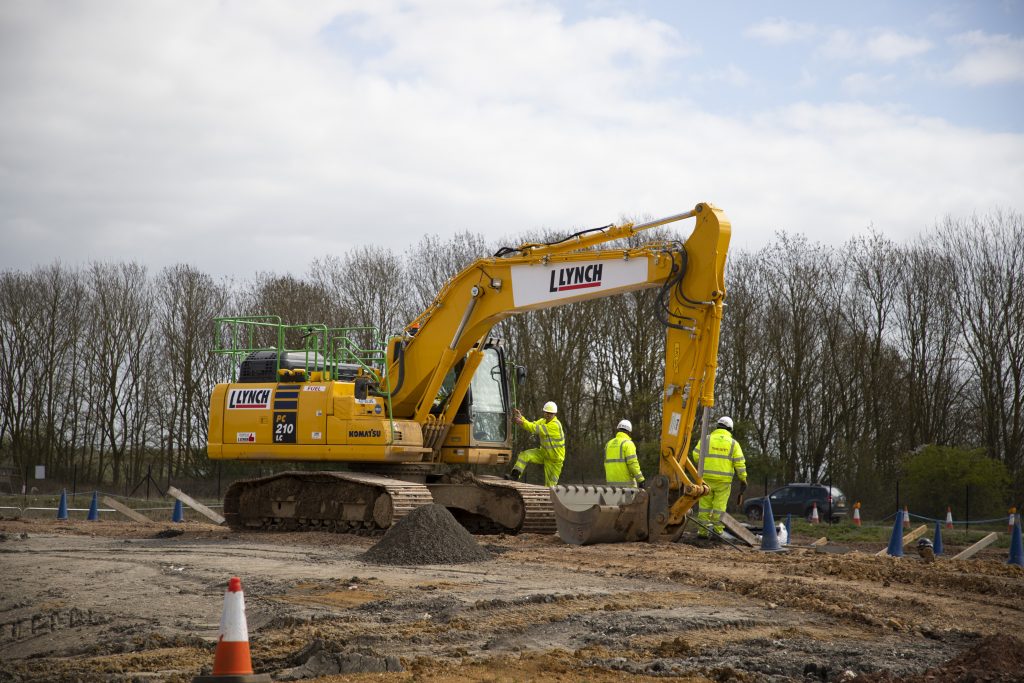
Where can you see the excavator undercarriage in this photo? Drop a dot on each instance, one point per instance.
(368, 503)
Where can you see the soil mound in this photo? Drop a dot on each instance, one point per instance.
(427, 535)
(994, 659)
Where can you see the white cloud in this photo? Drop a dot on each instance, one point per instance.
(889, 46)
(780, 31)
(521, 50)
(730, 75)
(841, 44)
(243, 137)
(944, 18)
(989, 59)
(882, 46)
(859, 84)
(807, 79)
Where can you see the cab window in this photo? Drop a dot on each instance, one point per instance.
(488, 392)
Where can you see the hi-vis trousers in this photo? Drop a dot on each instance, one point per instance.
(711, 506)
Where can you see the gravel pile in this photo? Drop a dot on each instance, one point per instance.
(427, 535)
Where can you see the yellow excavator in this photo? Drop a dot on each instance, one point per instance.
(407, 415)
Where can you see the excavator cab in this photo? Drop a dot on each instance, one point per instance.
(480, 433)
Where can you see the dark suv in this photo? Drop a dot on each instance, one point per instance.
(798, 500)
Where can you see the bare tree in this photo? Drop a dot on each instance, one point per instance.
(17, 357)
(187, 302)
(987, 254)
(433, 261)
(936, 372)
(117, 346)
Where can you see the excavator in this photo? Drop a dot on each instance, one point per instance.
(408, 416)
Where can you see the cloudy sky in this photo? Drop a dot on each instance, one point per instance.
(256, 135)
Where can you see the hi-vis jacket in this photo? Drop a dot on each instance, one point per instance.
(621, 468)
(724, 458)
(552, 436)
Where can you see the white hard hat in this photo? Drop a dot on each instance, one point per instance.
(625, 425)
(550, 407)
(726, 422)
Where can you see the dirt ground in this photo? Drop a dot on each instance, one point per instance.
(112, 601)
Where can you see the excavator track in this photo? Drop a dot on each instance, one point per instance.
(342, 502)
(539, 517)
(369, 503)
(489, 505)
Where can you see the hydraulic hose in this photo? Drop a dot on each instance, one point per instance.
(505, 251)
(663, 308)
(400, 359)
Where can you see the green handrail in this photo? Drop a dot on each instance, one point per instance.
(325, 348)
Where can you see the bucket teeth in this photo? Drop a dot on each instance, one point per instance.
(600, 514)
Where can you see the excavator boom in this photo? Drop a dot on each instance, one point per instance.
(690, 306)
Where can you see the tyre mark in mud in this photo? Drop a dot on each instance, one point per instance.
(48, 621)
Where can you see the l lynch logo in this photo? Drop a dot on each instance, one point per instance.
(249, 399)
(533, 283)
(576, 277)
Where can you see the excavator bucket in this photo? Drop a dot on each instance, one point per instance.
(600, 514)
(586, 515)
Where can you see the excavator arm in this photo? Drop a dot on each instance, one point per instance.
(537, 276)
(690, 304)
(690, 278)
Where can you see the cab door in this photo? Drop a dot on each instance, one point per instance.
(488, 399)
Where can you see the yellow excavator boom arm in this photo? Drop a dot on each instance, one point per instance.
(536, 276)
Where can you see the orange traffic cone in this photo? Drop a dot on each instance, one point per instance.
(814, 514)
(906, 517)
(949, 517)
(1010, 521)
(232, 662)
(856, 514)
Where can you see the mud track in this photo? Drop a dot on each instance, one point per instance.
(107, 601)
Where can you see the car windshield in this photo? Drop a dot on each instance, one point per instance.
(836, 493)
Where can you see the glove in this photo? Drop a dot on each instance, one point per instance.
(642, 484)
(739, 496)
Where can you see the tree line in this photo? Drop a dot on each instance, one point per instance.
(836, 362)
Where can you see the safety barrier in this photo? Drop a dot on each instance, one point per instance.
(923, 518)
(38, 510)
(168, 508)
